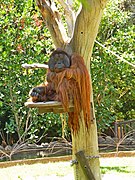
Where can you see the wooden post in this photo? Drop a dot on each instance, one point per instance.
(84, 165)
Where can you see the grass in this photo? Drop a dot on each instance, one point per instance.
(119, 165)
(117, 168)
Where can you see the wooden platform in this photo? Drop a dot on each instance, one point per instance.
(50, 106)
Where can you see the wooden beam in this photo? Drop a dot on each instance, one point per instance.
(84, 165)
(50, 106)
(43, 104)
(34, 65)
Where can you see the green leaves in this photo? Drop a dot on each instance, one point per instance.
(21, 41)
(113, 80)
(25, 39)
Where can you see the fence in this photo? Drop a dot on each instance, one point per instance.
(121, 128)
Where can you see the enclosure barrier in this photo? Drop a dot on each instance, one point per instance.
(123, 127)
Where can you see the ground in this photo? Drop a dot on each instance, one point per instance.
(111, 168)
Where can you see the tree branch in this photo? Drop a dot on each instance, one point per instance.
(53, 21)
(35, 65)
(69, 15)
(86, 28)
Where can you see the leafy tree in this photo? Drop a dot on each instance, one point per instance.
(113, 79)
(23, 39)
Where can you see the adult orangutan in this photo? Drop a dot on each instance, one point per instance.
(67, 81)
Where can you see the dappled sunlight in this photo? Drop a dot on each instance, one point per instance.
(118, 168)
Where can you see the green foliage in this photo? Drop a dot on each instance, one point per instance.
(118, 169)
(23, 39)
(113, 80)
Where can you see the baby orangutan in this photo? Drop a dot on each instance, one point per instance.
(67, 81)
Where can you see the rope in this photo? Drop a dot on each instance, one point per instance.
(116, 55)
(72, 162)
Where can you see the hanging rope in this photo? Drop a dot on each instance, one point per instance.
(119, 57)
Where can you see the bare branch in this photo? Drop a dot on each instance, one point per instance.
(53, 21)
(69, 15)
(35, 65)
(116, 55)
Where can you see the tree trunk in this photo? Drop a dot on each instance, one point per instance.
(85, 32)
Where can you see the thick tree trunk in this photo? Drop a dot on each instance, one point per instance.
(85, 33)
(86, 140)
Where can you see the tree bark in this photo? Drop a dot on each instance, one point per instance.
(86, 139)
(85, 32)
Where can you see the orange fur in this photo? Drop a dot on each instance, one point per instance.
(73, 84)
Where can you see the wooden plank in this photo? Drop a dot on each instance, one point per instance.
(84, 165)
(43, 104)
(34, 161)
(62, 158)
(44, 110)
(35, 65)
(50, 106)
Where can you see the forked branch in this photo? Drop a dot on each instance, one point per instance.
(69, 15)
(53, 21)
